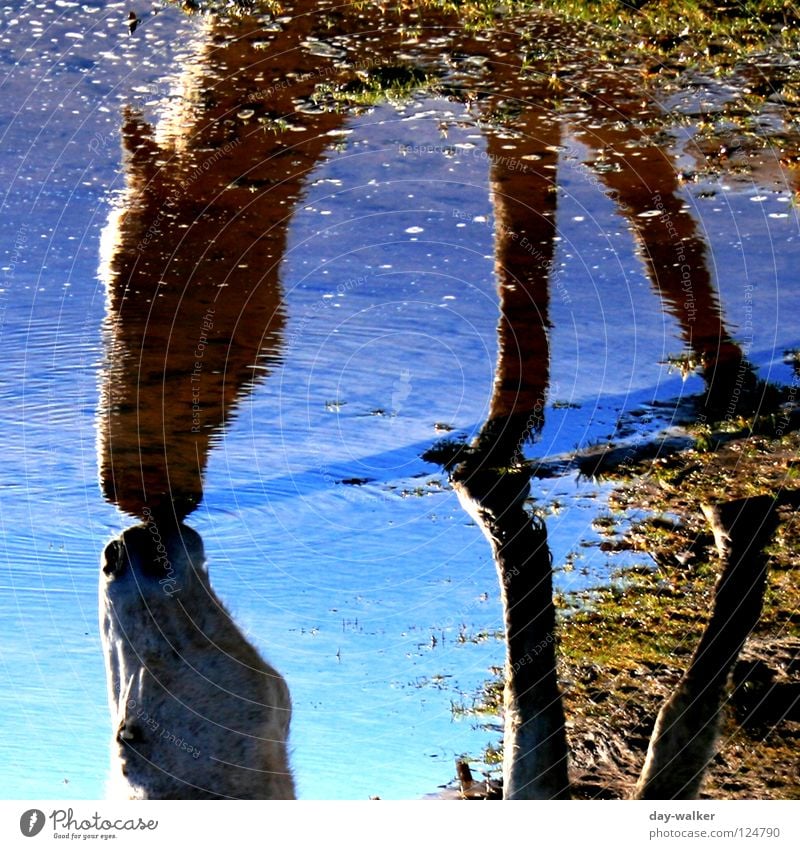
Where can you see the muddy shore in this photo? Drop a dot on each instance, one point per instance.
(623, 648)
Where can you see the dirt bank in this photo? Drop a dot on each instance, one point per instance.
(624, 647)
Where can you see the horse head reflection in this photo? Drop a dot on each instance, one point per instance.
(194, 321)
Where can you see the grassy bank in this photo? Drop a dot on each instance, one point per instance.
(623, 648)
(671, 27)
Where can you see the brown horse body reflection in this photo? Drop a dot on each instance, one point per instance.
(195, 319)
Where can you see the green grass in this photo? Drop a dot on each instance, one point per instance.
(710, 26)
(395, 84)
(703, 31)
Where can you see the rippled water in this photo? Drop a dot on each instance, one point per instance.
(341, 553)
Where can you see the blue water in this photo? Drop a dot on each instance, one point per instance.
(392, 311)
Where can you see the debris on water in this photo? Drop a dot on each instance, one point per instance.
(316, 47)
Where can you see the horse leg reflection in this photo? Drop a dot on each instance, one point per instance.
(685, 736)
(646, 188)
(493, 483)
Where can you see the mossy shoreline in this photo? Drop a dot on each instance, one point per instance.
(706, 32)
(623, 647)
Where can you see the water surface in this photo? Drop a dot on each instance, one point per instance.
(341, 553)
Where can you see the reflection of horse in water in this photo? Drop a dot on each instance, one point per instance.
(195, 318)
